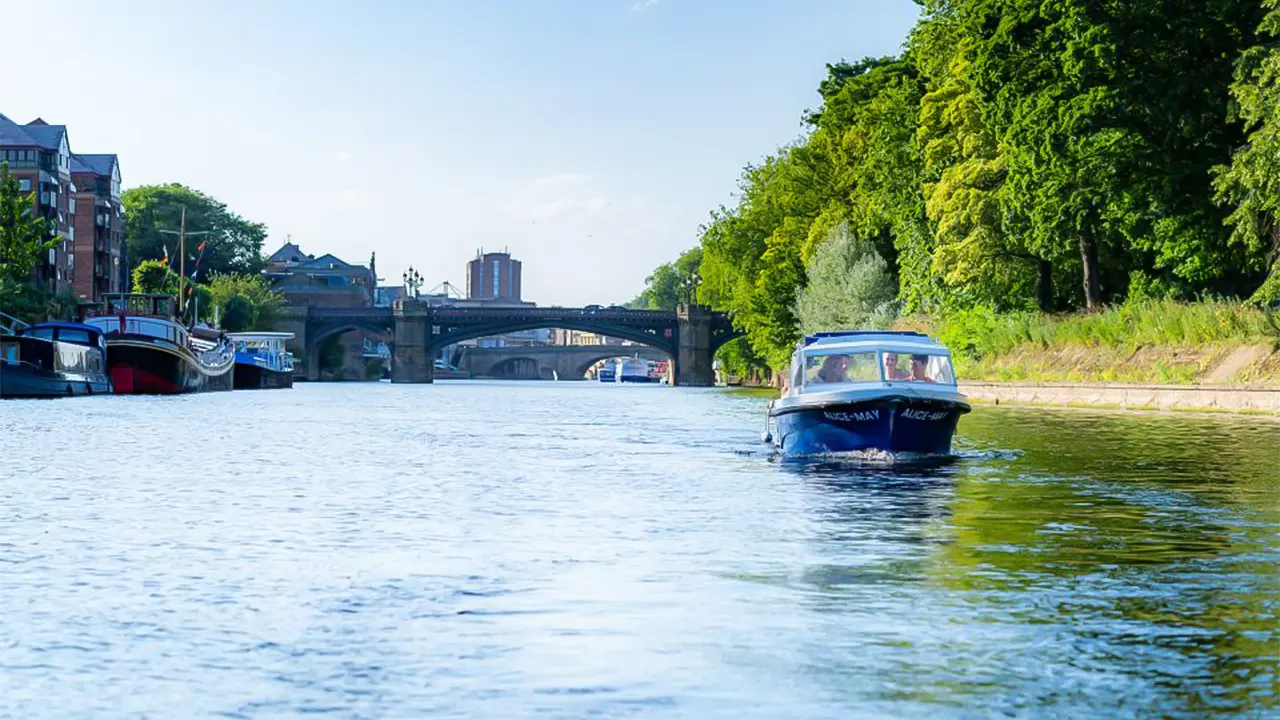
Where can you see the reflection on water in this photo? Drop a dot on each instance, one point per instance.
(508, 549)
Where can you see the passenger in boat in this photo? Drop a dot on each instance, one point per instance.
(891, 371)
(834, 368)
(919, 369)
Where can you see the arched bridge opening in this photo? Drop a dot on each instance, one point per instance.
(689, 336)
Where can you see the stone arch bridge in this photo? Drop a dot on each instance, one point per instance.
(567, 362)
(690, 335)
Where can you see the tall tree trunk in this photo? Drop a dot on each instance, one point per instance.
(1044, 286)
(1089, 259)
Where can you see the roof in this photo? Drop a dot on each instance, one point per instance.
(49, 136)
(864, 335)
(14, 135)
(97, 164)
(329, 261)
(66, 325)
(260, 335)
(286, 253)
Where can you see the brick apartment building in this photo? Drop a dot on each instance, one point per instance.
(98, 226)
(493, 276)
(87, 259)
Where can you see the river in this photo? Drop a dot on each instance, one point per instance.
(505, 550)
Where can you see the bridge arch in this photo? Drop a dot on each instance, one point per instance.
(665, 342)
(618, 351)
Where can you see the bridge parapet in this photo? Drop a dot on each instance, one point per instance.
(689, 336)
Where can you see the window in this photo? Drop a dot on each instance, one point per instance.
(24, 185)
(495, 277)
(80, 337)
(918, 367)
(71, 205)
(832, 368)
(42, 333)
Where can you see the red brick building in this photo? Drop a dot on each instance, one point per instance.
(98, 226)
(39, 156)
(81, 194)
(493, 276)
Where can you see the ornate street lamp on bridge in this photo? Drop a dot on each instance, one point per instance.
(412, 281)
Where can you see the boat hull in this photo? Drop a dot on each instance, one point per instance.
(143, 367)
(254, 377)
(892, 424)
(19, 381)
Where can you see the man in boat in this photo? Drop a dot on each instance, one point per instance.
(891, 371)
(919, 368)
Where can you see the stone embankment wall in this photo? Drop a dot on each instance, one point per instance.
(1232, 398)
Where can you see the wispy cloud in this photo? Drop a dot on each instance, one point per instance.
(640, 5)
(355, 199)
(563, 196)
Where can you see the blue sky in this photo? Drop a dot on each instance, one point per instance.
(590, 137)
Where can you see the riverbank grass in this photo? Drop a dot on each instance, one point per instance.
(1150, 341)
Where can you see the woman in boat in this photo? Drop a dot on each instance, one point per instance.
(834, 369)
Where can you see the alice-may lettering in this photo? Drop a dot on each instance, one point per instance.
(911, 414)
(861, 416)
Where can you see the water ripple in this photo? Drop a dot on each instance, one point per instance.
(573, 550)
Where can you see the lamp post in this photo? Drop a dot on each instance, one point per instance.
(691, 287)
(412, 281)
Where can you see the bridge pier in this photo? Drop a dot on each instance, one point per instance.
(410, 361)
(294, 319)
(693, 350)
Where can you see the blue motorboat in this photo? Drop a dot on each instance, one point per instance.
(53, 359)
(607, 372)
(262, 362)
(867, 390)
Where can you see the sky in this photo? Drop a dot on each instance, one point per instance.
(590, 138)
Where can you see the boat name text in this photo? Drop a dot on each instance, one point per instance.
(862, 416)
(923, 415)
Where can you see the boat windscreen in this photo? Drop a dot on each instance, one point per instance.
(841, 368)
(918, 367)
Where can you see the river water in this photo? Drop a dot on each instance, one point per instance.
(505, 550)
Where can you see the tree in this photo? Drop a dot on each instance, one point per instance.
(671, 284)
(1252, 181)
(849, 286)
(24, 236)
(154, 276)
(233, 245)
(1109, 116)
(267, 303)
(238, 314)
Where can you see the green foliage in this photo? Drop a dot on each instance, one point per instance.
(23, 235)
(670, 284)
(267, 303)
(332, 355)
(849, 287)
(1019, 156)
(1252, 181)
(234, 245)
(978, 333)
(24, 300)
(238, 314)
(154, 276)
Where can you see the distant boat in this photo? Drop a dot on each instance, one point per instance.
(53, 359)
(262, 361)
(634, 370)
(150, 353)
(852, 391)
(607, 372)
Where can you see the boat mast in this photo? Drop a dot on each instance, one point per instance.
(182, 257)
